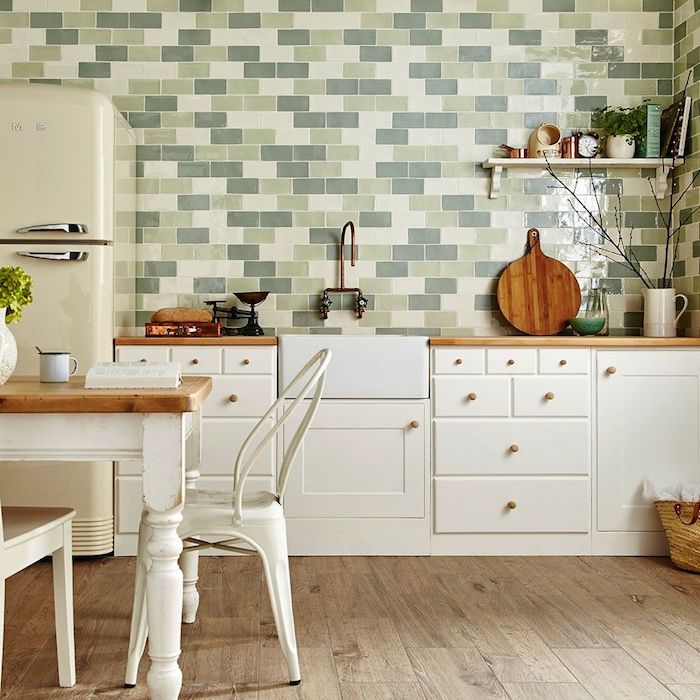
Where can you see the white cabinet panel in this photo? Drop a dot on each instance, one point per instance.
(648, 428)
(458, 360)
(564, 361)
(139, 353)
(223, 439)
(239, 396)
(550, 396)
(511, 447)
(250, 360)
(195, 359)
(471, 396)
(511, 360)
(360, 461)
(534, 504)
(128, 494)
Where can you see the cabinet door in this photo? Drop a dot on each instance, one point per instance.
(648, 413)
(360, 461)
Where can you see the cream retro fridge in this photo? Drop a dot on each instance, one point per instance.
(67, 216)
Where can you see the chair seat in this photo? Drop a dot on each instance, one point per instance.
(208, 511)
(22, 523)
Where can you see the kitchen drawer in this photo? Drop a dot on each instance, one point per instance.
(240, 396)
(471, 396)
(564, 361)
(196, 359)
(550, 396)
(222, 441)
(250, 360)
(142, 353)
(511, 447)
(458, 361)
(511, 361)
(541, 504)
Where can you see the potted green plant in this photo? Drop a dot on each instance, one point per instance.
(621, 127)
(15, 293)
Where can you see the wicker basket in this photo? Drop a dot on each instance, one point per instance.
(680, 521)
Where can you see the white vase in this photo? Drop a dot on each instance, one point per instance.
(619, 146)
(660, 316)
(8, 349)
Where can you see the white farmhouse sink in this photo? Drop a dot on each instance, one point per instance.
(362, 367)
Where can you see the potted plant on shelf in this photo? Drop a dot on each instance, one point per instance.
(15, 293)
(621, 127)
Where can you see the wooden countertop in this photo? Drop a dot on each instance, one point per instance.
(29, 395)
(221, 340)
(594, 341)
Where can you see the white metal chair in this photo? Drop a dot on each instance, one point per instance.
(245, 525)
(27, 535)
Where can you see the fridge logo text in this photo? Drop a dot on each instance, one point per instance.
(19, 126)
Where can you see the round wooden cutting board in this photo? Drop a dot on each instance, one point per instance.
(538, 294)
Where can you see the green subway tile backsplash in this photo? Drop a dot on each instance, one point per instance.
(265, 126)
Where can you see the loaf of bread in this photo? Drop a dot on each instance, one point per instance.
(181, 314)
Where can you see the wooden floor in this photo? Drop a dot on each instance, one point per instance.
(382, 628)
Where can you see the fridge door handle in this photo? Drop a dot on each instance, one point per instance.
(69, 255)
(65, 228)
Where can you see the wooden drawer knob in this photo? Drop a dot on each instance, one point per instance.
(611, 370)
(195, 361)
(549, 395)
(562, 363)
(246, 361)
(233, 398)
(143, 359)
(414, 424)
(510, 362)
(472, 396)
(512, 505)
(458, 361)
(514, 448)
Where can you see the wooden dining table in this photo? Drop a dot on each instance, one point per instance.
(159, 427)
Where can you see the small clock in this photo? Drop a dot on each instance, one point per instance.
(588, 145)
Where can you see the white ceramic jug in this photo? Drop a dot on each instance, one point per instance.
(660, 316)
(8, 349)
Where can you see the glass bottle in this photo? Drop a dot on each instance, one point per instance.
(597, 307)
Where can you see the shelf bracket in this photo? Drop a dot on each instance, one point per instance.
(496, 172)
(663, 175)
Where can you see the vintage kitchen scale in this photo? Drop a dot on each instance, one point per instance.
(229, 313)
(183, 322)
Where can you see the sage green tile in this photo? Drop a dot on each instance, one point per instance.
(27, 70)
(581, 20)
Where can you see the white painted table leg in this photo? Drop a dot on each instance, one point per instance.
(189, 561)
(163, 490)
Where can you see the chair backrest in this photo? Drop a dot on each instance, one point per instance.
(309, 382)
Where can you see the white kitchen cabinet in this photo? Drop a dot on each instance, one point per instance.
(358, 485)
(648, 427)
(244, 387)
(511, 451)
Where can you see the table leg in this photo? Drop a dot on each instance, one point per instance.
(163, 490)
(189, 561)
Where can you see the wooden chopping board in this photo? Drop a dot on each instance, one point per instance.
(538, 294)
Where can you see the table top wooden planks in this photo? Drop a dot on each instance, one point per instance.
(29, 395)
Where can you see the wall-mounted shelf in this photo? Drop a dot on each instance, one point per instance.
(663, 167)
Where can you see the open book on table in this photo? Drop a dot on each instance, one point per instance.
(134, 375)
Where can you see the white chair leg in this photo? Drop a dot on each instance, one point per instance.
(189, 563)
(62, 560)
(139, 620)
(272, 540)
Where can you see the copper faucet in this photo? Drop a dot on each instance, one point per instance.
(353, 248)
(361, 301)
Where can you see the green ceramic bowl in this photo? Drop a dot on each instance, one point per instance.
(587, 326)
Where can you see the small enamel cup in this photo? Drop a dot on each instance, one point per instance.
(56, 366)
